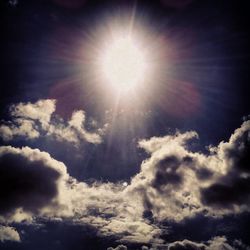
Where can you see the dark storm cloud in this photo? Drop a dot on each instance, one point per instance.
(233, 188)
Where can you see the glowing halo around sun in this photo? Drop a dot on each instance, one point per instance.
(122, 55)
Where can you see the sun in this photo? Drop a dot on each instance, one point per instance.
(122, 58)
(123, 63)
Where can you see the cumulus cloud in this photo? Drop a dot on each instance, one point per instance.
(110, 209)
(175, 182)
(231, 190)
(120, 247)
(9, 234)
(219, 243)
(30, 182)
(167, 182)
(33, 184)
(216, 243)
(33, 120)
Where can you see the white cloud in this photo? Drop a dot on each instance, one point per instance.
(36, 185)
(40, 111)
(173, 183)
(229, 191)
(22, 127)
(33, 120)
(77, 120)
(216, 243)
(110, 209)
(120, 247)
(9, 234)
(167, 182)
(219, 243)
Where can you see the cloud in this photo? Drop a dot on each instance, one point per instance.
(74, 131)
(110, 209)
(219, 243)
(175, 182)
(240, 245)
(216, 243)
(21, 127)
(157, 143)
(120, 247)
(232, 189)
(167, 182)
(34, 120)
(34, 185)
(9, 234)
(30, 181)
(186, 245)
(40, 111)
(137, 231)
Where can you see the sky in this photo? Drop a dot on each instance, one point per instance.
(124, 125)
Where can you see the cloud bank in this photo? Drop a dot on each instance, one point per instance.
(174, 183)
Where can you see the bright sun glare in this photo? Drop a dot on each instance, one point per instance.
(123, 63)
(123, 56)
